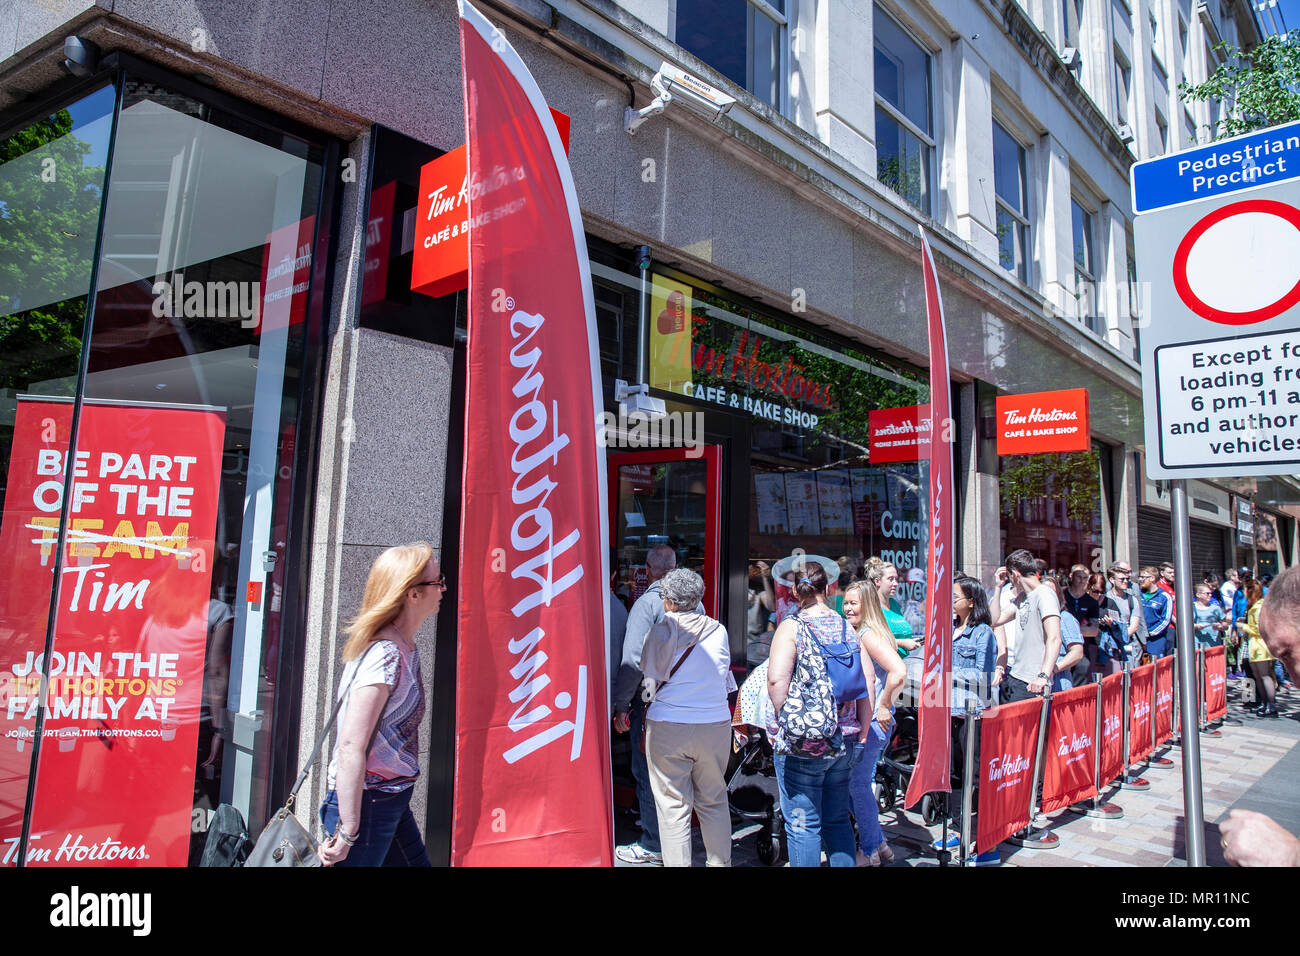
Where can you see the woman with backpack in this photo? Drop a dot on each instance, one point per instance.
(810, 728)
(863, 611)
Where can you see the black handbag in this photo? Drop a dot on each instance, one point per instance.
(285, 841)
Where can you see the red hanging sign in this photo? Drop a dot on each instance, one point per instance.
(1070, 751)
(898, 434)
(440, 260)
(1164, 715)
(125, 678)
(1112, 728)
(1139, 721)
(1008, 738)
(1216, 683)
(1041, 422)
(933, 769)
(532, 779)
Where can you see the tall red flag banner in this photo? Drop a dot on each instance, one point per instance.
(123, 686)
(1008, 738)
(1164, 709)
(1112, 728)
(1070, 750)
(933, 771)
(532, 778)
(1139, 720)
(1216, 683)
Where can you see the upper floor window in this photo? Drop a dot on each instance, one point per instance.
(1012, 202)
(744, 40)
(904, 131)
(1085, 271)
(1071, 20)
(1123, 85)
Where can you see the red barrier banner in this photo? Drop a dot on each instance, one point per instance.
(933, 769)
(1139, 719)
(532, 776)
(1200, 685)
(1070, 751)
(1164, 715)
(1216, 683)
(1112, 728)
(1008, 736)
(123, 687)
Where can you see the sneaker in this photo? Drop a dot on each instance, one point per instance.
(636, 853)
(990, 858)
(954, 843)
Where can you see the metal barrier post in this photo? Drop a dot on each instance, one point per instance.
(1128, 779)
(968, 780)
(1044, 839)
(1094, 807)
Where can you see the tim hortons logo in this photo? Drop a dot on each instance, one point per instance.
(1163, 698)
(1216, 680)
(1111, 727)
(1068, 745)
(1141, 710)
(1006, 765)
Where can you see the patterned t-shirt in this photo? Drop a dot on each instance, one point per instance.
(393, 756)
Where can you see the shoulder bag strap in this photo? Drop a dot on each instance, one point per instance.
(320, 740)
(680, 661)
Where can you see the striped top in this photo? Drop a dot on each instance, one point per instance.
(393, 756)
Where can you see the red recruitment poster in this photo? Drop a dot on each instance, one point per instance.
(1139, 721)
(1164, 711)
(1216, 683)
(1069, 754)
(1112, 728)
(933, 768)
(126, 672)
(1008, 736)
(532, 778)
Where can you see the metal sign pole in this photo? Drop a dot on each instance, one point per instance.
(1193, 808)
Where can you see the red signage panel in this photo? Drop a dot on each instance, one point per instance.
(1139, 721)
(115, 780)
(1070, 751)
(1164, 715)
(1112, 728)
(1216, 683)
(898, 434)
(1039, 422)
(1008, 737)
(440, 264)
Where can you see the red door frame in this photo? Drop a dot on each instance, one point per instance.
(712, 456)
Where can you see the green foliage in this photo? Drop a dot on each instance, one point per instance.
(1256, 89)
(1073, 478)
(48, 209)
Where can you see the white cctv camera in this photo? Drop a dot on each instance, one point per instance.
(670, 84)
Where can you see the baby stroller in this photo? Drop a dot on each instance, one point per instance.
(894, 772)
(751, 780)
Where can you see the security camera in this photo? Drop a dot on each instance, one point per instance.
(670, 84)
(81, 57)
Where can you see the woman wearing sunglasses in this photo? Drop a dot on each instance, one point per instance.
(367, 811)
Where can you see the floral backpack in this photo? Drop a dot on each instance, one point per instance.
(808, 724)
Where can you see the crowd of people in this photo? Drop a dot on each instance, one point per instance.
(833, 671)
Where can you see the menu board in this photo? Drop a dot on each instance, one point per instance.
(834, 501)
(801, 502)
(769, 492)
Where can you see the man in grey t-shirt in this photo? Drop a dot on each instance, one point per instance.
(1038, 618)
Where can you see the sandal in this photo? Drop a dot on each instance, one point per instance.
(885, 852)
(872, 860)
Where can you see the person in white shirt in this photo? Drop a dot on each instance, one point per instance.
(1038, 613)
(688, 722)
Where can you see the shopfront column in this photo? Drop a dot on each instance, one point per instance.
(978, 496)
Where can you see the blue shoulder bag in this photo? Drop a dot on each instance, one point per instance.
(843, 664)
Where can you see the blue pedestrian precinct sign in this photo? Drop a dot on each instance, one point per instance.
(1264, 158)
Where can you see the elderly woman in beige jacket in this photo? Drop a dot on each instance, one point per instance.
(687, 663)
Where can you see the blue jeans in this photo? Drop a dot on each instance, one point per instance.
(815, 804)
(861, 795)
(388, 834)
(1156, 647)
(645, 798)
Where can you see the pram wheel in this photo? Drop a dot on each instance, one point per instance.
(886, 793)
(769, 842)
(931, 812)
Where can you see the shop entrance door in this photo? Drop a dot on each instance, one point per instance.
(665, 496)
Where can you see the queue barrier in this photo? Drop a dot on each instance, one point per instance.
(1164, 700)
(1009, 759)
(1069, 771)
(1141, 689)
(1113, 721)
(1216, 683)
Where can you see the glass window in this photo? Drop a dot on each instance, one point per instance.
(51, 188)
(1012, 202)
(1071, 20)
(170, 650)
(741, 39)
(1085, 285)
(1051, 506)
(904, 132)
(1123, 83)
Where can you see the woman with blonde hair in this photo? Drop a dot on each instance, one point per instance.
(884, 578)
(372, 772)
(863, 611)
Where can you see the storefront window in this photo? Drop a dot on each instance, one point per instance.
(167, 625)
(1051, 506)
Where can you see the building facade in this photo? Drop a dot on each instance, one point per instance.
(236, 227)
